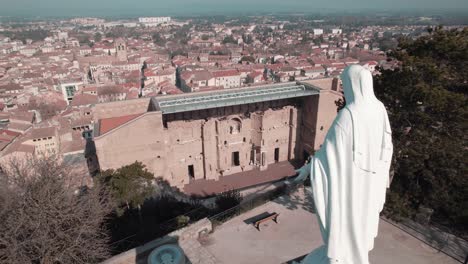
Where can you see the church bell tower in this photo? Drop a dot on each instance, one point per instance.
(121, 49)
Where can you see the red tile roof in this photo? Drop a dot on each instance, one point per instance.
(255, 74)
(84, 99)
(225, 73)
(107, 124)
(43, 132)
(9, 132)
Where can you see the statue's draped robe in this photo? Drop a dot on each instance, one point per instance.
(350, 174)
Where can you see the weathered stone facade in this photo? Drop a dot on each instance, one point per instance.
(215, 142)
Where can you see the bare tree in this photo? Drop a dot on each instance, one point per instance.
(45, 218)
(47, 110)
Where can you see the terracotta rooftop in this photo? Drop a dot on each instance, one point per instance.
(77, 143)
(11, 87)
(22, 116)
(9, 132)
(4, 144)
(107, 124)
(43, 132)
(255, 74)
(17, 146)
(84, 99)
(18, 126)
(225, 73)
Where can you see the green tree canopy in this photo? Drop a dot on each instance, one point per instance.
(229, 39)
(130, 185)
(427, 101)
(158, 39)
(97, 37)
(247, 39)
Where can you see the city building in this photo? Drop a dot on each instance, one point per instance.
(154, 20)
(69, 88)
(337, 31)
(44, 140)
(209, 135)
(318, 31)
(121, 49)
(227, 78)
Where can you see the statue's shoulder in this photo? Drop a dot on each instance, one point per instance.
(344, 120)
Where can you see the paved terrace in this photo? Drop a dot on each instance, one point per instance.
(274, 172)
(297, 233)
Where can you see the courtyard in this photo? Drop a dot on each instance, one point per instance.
(297, 233)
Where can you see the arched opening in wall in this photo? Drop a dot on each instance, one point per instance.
(235, 126)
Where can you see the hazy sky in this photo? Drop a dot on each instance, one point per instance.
(187, 7)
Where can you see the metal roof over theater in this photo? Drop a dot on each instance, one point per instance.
(230, 97)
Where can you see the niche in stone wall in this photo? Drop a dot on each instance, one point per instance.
(235, 125)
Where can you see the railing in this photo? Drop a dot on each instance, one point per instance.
(214, 216)
(444, 242)
(176, 223)
(451, 245)
(162, 229)
(250, 204)
(439, 239)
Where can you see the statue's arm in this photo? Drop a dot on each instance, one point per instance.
(303, 172)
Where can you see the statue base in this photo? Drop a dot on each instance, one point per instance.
(318, 256)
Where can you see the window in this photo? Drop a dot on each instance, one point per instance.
(191, 172)
(235, 158)
(70, 90)
(276, 154)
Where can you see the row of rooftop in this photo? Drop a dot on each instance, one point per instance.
(50, 85)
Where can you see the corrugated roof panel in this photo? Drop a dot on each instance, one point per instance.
(237, 97)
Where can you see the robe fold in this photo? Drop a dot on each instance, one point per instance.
(350, 174)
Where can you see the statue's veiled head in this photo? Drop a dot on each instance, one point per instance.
(357, 85)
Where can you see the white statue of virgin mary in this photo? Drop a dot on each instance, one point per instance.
(350, 174)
